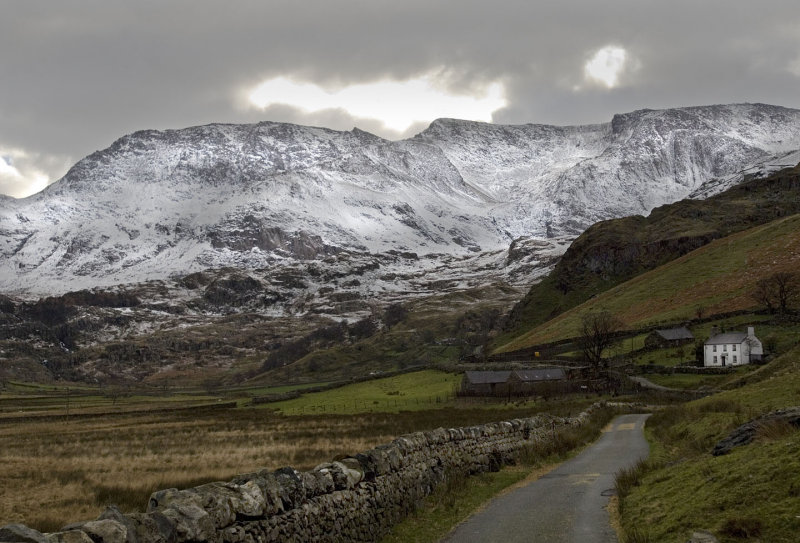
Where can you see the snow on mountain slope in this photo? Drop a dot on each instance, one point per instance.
(558, 179)
(158, 203)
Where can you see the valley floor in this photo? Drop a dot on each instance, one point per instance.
(61, 468)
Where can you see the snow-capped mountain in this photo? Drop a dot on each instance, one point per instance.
(158, 203)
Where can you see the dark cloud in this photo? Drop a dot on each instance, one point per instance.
(78, 74)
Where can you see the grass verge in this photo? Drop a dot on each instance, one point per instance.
(750, 494)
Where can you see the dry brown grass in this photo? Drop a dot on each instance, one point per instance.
(55, 472)
(58, 471)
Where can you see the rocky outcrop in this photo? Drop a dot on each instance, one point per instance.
(747, 432)
(353, 499)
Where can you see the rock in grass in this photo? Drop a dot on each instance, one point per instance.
(703, 536)
(747, 432)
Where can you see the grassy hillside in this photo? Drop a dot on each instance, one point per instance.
(612, 252)
(718, 277)
(751, 494)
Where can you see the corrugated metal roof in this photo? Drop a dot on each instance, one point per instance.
(487, 377)
(673, 334)
(727, 338)
(548, 374)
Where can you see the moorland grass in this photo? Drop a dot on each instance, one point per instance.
(58, 470)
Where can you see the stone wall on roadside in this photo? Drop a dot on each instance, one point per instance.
(353, 499)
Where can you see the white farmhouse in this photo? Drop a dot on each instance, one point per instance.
(732, 349)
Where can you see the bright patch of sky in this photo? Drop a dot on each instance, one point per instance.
(19, 183)
(606, 65)
(7, 167)
(397, 104)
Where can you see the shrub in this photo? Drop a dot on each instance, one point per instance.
(637, 536)
(741, 527)
(628, 478)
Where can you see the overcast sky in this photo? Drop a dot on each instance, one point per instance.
(76, 75)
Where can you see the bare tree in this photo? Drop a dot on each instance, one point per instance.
(786, 289)
(777, 291)
(597, 334)
(699, 311)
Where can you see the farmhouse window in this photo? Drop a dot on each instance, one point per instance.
(715, 349)
(715, 360)
(734, 359)
(725, 348)
(734, 348)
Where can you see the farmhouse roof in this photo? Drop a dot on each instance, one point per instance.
(674, 334)
(487, 377)
(549, 374)
(727, 338)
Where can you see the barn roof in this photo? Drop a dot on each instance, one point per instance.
(727, 338)
(487, 377)
(548, 374)
(674, 334)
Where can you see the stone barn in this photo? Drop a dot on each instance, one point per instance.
(669, 337)
(525, 382)
(510, 383)
(485, 383)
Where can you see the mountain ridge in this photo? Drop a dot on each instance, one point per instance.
(159, 203)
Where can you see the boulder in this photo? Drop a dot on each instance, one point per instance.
(113, 513)
(227, 502)
(71, 536)
(353, 470)
(290, 488)
(191, 522)
(19, 533)
(270, 489)
(162, 499)
(151, 527)
(747, 432)
(702, 536)
(106, 531)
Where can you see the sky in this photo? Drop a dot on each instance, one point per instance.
(75, 75)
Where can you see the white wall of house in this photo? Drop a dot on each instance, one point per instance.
(732, 354)
(727, 354)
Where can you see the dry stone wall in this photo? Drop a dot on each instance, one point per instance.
(353, 499)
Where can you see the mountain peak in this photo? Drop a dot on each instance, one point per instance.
(159, 202)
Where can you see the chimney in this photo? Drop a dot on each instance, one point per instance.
(714, 330)
(751, 332)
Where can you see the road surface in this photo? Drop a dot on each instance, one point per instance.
(568, 505)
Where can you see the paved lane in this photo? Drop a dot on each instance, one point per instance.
(568, 505)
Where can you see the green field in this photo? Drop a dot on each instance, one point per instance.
(688, 381)
(718, 277)
(421, 390)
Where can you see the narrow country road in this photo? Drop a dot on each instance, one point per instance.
(568, 505)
